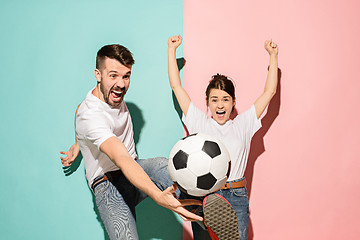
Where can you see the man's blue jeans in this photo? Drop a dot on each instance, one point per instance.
(116, 198)
(239, 200)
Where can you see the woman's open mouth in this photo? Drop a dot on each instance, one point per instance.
(220, 114)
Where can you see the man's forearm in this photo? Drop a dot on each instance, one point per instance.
(138, 177)
(118, 153)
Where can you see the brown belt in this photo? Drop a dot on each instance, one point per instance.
(239, 184)
(98, 181)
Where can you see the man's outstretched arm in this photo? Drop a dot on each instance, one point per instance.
(118, 153)
(73, 151)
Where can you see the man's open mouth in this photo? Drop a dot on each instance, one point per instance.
(116, 94)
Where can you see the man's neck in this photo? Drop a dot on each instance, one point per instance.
(97, 93)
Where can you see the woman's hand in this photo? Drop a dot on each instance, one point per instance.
(174, 41)
(271, 47)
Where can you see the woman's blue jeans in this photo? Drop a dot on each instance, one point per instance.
(239, 200)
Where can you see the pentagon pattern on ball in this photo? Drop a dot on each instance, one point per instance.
(229, 168)
(180, 160)
(217, 171)
(199, 164)
(211, 148)
(206, 181)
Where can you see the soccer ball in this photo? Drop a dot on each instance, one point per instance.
(199, 164)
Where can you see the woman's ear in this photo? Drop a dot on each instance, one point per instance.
(234, 103)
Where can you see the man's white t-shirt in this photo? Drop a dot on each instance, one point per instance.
(96, 121)
(234, 134)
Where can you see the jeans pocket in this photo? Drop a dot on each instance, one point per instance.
(240, 192)
(100, 191)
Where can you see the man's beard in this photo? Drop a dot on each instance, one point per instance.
(106, 95)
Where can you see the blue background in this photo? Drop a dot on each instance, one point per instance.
(47, 52)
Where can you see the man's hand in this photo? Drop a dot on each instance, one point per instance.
(70, 155)
(168, 200)
(271, 47)
(174, 41)
(119, 154)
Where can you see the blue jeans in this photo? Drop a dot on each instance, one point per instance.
(116, 198)
(239, 200)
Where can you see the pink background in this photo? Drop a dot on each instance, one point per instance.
(304, 164)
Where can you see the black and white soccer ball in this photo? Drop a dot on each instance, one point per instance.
(199, 164)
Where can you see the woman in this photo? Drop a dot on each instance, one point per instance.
(236, 134)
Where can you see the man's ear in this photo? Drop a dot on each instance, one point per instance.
(97, 75)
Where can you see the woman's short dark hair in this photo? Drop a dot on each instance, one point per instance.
(221, 82)
(114, 51)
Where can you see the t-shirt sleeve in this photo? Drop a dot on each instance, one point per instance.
(94, 126)
(249, 121)
(195, 119)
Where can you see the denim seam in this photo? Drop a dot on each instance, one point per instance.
(157, 182)
(103, 189)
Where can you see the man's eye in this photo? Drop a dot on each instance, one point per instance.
(226, 100)
(112, 75)
(214, 100)
(126, 77)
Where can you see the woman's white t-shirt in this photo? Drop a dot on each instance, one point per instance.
(234, 134)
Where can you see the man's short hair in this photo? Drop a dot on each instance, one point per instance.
(114, 51)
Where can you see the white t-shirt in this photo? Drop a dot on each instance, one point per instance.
(96, 121)
(234, 134)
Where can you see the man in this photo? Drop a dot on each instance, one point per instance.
(105, 137)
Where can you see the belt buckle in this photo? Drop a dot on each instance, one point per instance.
(98, 181)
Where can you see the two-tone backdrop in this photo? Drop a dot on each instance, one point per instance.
(48, 51)
(303, 166)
